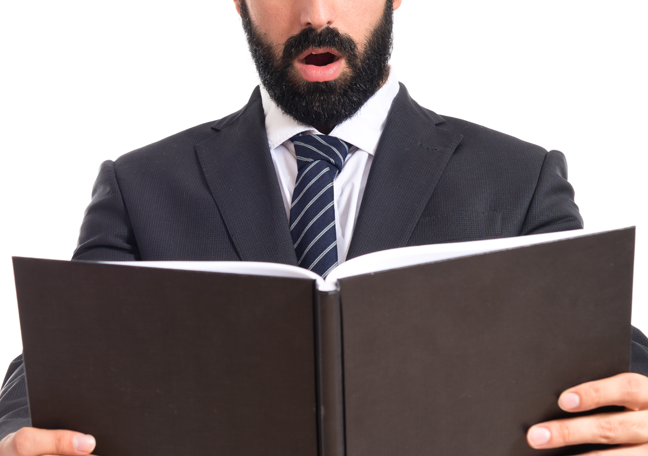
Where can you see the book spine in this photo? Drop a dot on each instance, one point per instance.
(330, 374)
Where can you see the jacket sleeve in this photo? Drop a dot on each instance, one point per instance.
(552, 207)
(14, 410)
(639, 362)
(106, 235)
(106, 232)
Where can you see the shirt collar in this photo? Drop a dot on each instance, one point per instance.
(363, 130)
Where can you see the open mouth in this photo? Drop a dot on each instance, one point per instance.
(320, 59)
(319, 65)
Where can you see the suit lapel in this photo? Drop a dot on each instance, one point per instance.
(238, 167)
(410, 159)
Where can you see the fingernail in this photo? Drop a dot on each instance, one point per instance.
(83, 443)
(569, 401)
(539, 435)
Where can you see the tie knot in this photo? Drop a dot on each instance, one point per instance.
(309, 148)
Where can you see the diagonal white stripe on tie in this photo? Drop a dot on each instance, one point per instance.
(328, 206)
(295, 200)
(309, 205)
(322, 255)
(315, 240)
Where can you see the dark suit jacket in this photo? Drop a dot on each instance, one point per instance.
(211, 193)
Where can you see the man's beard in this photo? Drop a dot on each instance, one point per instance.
(326, 103)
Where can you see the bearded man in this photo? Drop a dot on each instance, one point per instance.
(331, 159)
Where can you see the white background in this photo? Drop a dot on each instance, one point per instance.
(82, 81)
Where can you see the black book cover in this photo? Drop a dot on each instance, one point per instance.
(157, 361)
(462, 356)
(459, 356)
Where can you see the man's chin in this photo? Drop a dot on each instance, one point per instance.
(325, 73)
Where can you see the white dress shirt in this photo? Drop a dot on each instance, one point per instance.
(363, 131)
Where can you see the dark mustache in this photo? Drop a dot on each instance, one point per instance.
(328, 37)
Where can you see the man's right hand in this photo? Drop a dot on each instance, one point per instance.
(37, 442)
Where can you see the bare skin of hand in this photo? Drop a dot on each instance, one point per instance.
(37, 442)
(628, 428)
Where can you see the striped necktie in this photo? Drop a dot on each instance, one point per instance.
(312, 214)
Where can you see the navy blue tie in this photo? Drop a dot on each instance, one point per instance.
(312, 213)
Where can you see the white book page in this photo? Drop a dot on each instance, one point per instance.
(231, 267)
(410, 256)
(366, 264)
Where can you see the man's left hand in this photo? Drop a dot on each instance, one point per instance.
(628, 428)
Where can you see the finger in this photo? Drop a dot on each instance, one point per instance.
(623, 428)
(627, 390)
(37, 442)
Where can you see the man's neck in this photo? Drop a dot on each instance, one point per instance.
(324, 129)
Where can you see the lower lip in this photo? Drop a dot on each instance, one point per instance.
(313, 73)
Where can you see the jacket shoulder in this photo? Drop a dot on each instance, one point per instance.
(492, 141)
(475, 138)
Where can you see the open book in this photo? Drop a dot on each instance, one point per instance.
(441, 349)
(367, 264)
